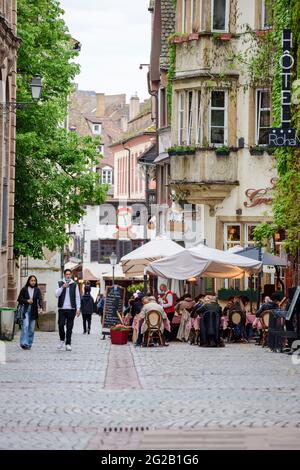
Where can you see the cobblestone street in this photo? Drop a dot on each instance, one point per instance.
(101, 396)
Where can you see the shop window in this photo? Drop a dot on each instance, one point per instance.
(232, 235)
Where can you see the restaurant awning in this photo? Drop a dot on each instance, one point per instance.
(203, 261)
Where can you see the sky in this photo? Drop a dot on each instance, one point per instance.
(116, 38)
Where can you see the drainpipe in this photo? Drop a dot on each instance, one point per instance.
(129, 167)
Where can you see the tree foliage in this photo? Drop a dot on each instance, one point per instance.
(54, 168)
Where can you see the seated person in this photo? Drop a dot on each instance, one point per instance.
(183, 311)
(269, 304)
(210, 315)
(149, 304)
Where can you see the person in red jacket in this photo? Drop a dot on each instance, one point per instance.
(168, 302)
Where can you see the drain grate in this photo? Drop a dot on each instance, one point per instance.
(126, 429)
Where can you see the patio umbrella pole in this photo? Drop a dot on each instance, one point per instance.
(259, 278)
(145, 283)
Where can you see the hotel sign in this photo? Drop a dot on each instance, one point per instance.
(285, 136)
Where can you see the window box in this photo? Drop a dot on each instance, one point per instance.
(222, 36)
(193, 37)
(181, 151)
(180, 39)
(222, 151)
(257, 150)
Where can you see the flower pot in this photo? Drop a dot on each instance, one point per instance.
(119, 336)
(256, 151)
(222, 153)
(225, 36)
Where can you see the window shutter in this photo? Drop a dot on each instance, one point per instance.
(94, 251)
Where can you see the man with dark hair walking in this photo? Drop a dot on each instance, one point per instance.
(68, 306)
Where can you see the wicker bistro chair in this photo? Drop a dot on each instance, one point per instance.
(236, 319)
(153, 320)
(264, 320)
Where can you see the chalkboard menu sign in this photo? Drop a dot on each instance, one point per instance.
(294, 304)
(113, 307)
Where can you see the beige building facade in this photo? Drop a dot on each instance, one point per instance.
(231, 172)
(9, 43)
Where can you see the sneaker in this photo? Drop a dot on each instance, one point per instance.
(68, 347)
(89, 332)
(60, 344)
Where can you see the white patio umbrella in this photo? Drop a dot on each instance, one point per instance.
(205, 262)
(135, 262)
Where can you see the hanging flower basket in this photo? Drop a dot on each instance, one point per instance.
(222, 151)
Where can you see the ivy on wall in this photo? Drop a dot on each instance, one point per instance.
(171, 75)
(286, 204)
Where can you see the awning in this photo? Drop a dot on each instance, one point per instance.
(268, 259)
(161, 157)
(71, 265)
(202, 261)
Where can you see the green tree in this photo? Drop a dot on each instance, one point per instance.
(54, 168)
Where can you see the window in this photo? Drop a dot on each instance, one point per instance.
(106, 177)
(263, 116)
(249, 241)
(198, 117)
(232, 235)
(193, 11)
(189, 126)
(180, 117)
(107, 215)
(100, 149)
(218, 130)
(163, 108)
(4, 211)
(183, 18)
(219, 15)
(267, 14)
(102, 249)
(96, 129)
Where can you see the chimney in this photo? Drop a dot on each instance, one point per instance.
(134, 107)
(100, 110)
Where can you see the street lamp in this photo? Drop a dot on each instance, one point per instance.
(36, 91)
(113, 262)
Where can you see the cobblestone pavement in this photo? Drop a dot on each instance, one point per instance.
(101, 396)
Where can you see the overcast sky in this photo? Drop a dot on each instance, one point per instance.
(115, 37)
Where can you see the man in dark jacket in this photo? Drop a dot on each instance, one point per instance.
(87, 309)
(68, 306)
(270, 304)
(210, 317)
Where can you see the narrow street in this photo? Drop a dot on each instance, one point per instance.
(101, 396)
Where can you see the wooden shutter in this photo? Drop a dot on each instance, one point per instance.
(94, 251)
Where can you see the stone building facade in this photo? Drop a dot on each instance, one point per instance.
(9, 43)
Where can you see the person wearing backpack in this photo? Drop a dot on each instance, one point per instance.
(87, 309)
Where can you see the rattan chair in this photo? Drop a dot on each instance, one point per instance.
(153, 320)
(264, 320)
(236, 319)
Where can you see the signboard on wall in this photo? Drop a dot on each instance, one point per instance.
(285, 136)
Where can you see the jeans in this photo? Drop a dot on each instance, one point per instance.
(86, 318)
(65, 316)
(27, 332)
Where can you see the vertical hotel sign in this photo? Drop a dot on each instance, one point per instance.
(285, 136)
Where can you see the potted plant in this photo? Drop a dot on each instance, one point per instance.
(119, 334)
(222, 36)
(224, 150)
(257, 150)
(181, 150)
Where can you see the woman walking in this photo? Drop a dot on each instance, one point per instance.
(87, 309)
(31, 298)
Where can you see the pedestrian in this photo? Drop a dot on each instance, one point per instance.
(68, 306)
(30, 298)
(87, 309)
